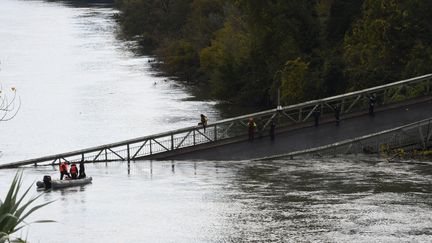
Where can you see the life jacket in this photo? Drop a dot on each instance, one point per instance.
(63, 167)
(252, 124)
(74, 170)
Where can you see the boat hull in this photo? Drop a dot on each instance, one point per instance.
(58, 184)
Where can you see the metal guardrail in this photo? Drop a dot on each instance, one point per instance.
(412, 136)
(142, 147)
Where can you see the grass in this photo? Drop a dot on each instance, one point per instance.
(14, 209)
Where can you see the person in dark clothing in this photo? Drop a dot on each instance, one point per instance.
(74, 171)
(272, 130)
(251, 129)
(337, 111)
(81, 170)
(204, 121)
(372, 101)
(316, 115)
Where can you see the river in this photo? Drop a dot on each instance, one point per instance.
(81, 86)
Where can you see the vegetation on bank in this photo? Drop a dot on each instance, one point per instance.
(245, 49)
(14, 210)
(400, 154)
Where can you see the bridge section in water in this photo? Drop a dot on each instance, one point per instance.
(397, 104)
(407, 125)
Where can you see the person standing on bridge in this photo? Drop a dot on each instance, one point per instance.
(372, 101)
(63, 169)
(251, 129)
(204, 121)
(316, 115)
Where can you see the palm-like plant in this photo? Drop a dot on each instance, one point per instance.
(14, 210)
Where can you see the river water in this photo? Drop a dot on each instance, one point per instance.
(80, 86)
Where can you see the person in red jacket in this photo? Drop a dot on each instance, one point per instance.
(251, 129)
(74, 171)
(63, 169)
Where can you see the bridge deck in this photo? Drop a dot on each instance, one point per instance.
(310, 137)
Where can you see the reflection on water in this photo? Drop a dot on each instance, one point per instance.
(330, 200)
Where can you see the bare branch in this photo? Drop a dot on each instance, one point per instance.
(10, 103)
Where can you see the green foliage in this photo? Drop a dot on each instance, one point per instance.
(205, 18)
(14, 210)
(153, 20)
(388, 43)
(237, 48)
(225, 60)
(294, 85)
(181, 58)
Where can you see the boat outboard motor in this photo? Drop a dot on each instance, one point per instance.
(47, 181)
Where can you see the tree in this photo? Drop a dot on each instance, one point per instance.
(257, 39)
(389, 42)
(294, 85)
(226, 59)
(153, 21)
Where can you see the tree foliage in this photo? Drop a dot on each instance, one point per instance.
(384, 43)
(245, 49)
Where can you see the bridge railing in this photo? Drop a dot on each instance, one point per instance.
(236, 127)
(413, 136)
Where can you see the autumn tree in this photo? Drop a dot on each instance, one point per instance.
(388, 42)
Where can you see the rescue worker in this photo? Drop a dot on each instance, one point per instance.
(272, 130)
(316, 115)
(204, 121)
(74, 171)
(251, 129)
(372, 101)
(63, 170)
(81, 170)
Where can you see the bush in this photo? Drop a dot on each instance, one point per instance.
(14, 210)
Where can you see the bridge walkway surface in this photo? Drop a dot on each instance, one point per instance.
(310, 136)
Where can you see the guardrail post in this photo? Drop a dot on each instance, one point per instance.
(128, 153)
(194, 142)
(151, 151)
(427, 86)
(300, 115)
(172, 141)
(342, 106)
(215, 132)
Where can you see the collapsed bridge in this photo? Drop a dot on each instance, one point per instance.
(398, 104)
